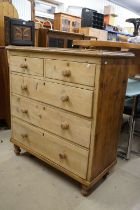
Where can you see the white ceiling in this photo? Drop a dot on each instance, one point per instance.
(133, 5)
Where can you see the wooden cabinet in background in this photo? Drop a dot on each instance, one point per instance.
(66, 22)
(54, 38)
(4, 88)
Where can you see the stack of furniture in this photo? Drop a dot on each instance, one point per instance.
(93, 24)
(109, 15)
(64, 110)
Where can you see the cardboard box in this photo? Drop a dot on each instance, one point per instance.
(100, 34)
(109, 10)
(109, 20)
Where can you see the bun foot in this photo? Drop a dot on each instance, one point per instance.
(106, 175)
(17, 150)
(85, 191)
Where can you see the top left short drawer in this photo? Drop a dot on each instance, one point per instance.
(27, 65)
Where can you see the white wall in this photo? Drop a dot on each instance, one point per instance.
(98, 5)
(24, 9)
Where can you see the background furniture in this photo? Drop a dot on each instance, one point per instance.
(4, 88)
(19, 32)
(64, 108)
(133, 66)
(91, 18)
(53, 38)
(36, 37)
(6, 9)
(100, 34)
(136, 22)
(66, 22)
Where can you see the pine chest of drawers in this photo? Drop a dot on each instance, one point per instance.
(66, 108)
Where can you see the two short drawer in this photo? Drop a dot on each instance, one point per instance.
(68, 71)
(69, 98)
(62, 153)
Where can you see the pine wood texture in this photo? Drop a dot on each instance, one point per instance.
(72, 124)
(68, 98)
(69, 71)
(6, 9)
(53, 120)
(65, 154)
(27, 65)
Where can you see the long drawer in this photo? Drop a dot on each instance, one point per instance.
(67, 155)
(57, 121)
(81, 73)
(26, 65)
(66, 97)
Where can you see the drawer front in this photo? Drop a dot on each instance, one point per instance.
(67, 155)
(73, 128)
(33, 66)
(74, 72)
(66, 97)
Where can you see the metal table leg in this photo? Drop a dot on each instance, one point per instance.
(126, 155)
(132, 127)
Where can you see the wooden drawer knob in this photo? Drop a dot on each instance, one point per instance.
(24, 66)
(24, 136)
(64, 125)
(66, 73)
(24, 87)
(62, 156)
(24, 111)
(64, 98)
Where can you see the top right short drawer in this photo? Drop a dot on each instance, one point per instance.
(70, 71)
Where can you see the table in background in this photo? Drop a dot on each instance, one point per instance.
(133, 65)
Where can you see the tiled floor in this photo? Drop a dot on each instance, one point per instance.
(28, 184)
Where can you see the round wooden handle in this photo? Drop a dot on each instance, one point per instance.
(65, 98)
(24, 66)
(24, 111)
(24, 136)
(62, 156)
(64, 125)
(24, 87)
(66, 73)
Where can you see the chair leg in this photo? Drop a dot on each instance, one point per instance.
(131, 136)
